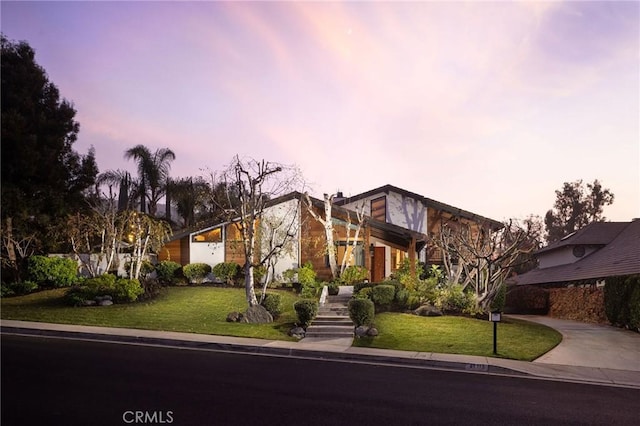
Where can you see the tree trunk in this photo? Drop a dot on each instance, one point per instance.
(252, 300)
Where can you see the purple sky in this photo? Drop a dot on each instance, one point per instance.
(489, 107)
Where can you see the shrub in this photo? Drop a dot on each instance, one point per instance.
(453, 299)
(617, 292)
(52, 271)
(168, 272)
(18, 288)
(196, 272)
(401, 298)
(145, 269)
(361, 311)
(334, 288)
(306, 311)
(359, 286)
(382, 295)
(273, 303)
(120, 289)
(227, 272)
(353, 274)
(364, 293)
(310, 290)
(498, 302)
(634, 308)
(306, 274)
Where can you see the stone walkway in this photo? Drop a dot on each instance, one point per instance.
(332, 326)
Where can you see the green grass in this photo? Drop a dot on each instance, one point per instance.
(187, 309)
(521, 340)
(204, 310)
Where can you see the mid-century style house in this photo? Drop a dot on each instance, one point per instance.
(398, 224)
(588, 256)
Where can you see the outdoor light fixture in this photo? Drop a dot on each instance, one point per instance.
(495, 317)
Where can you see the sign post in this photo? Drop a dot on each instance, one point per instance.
(495, 318)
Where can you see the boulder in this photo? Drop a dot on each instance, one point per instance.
(372, 332)
(428, 311)
(105, 303)
(361, 331)
(257, 315)
(234, 317)
(297, 332)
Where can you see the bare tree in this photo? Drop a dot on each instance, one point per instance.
(16, 247)
(254, 183)
(327, 223)
(146, 235)
(481, 258)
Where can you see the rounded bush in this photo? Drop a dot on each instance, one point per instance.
(306, 274)
(121, 290)
(382, 295)
(196, 272)
(361, 311)
(306, 311)
(168, 271)
(126, 290)
(359, 286)
(227, 272)
(364, 293)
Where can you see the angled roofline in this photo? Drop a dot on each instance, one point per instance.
(426, 201)
(585, 233)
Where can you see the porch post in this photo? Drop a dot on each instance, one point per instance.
(412, 257)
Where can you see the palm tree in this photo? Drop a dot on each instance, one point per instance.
(127, 187)
(153, 172)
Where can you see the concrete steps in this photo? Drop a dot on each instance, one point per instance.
(332, 320)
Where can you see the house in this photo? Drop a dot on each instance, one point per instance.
(397, 225)
(588, 256)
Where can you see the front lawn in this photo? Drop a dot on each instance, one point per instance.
(187, 309)
(517, 339)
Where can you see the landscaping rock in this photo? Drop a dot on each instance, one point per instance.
(373, 332)
(297, 332)
(257, 315)
(88, 303)
(361, 331)
(428, 311)
(234, 317)
(105, 303)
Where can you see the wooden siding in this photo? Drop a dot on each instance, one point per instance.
(379, 209)
(233, 246)
(176, 251)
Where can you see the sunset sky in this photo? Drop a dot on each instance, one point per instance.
(489, 107)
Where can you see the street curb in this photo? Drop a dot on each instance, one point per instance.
(269, 350)
(353, 354)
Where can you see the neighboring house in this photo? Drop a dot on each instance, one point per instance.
(588, 256)
(397, 225)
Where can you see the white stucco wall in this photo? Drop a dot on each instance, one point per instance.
(561, 256)
(401, 211)
(209, 253)
(284, 216)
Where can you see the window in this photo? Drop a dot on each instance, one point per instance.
(358, 253)
(379, 209)
(212, 236)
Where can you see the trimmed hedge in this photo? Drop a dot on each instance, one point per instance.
(168, 272)
(361, 311)
(382, 295)
(306, 310)
(196, 272)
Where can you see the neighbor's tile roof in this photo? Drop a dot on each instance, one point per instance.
(621, 256)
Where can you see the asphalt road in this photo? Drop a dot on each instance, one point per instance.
(50, 381)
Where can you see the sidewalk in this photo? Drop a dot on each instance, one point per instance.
(331, 349)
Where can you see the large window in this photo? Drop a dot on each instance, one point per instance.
(379, 209)
(211, 236)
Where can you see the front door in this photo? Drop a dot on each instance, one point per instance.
(378, 272)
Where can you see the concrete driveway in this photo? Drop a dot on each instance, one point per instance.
(590, 345)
